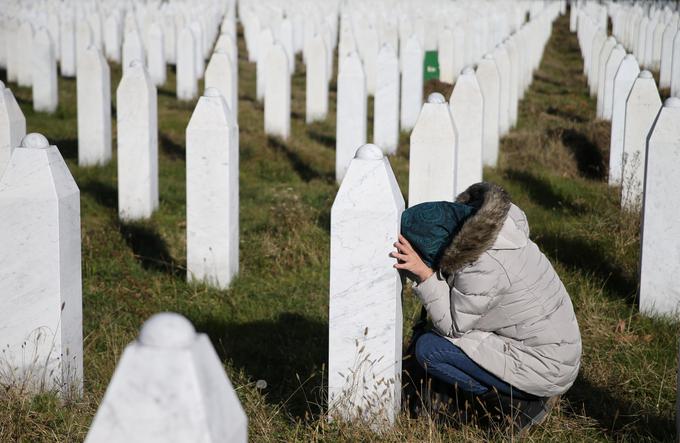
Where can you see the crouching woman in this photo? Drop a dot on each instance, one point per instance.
(503, 323)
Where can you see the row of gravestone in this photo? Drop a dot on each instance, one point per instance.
(644, 152)
(33, 41)
(447, 145)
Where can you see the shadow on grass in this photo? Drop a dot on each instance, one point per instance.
(68, 148)
(589, 159)
(326, 140)
(305, 172)
(558, 112)
(617, 417)
(288, 352)
(150, 249)
(541, 192)
(104, 194)
(172, 149)
(588, 256)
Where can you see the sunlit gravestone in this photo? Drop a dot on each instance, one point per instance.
(489, 84)
(44, 73)
(219, 75)
(386, 103)
(94, 108)
(605, 52)
(12, 125)
(155, 55)
(187, 83)
(212, 192)
(365, 315)
(467, 110)
(137, 144)
(642, 107)
(623, 82)
(265, 40)
(503, 65)
(432, 154)
(169, 387)
(351, 112)
(660, 238)
(611, 68)
(316, 92)
(277, 93)
(411, 82)
(40, 312)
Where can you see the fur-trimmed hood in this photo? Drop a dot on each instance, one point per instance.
(480, 231)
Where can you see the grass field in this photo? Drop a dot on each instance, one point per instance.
(272, 324)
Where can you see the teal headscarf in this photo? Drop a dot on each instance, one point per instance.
(431, 226)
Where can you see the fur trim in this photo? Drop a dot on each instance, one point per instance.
(479, 232)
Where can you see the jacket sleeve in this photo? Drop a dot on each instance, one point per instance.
(458, 308)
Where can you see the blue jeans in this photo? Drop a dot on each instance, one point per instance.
(446, 362)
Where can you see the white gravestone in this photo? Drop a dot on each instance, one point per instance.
(137, 144)
(187, 83)
(605, 52)
(659, 292)
(44, 67)
(504, 74)
(286, 41)
(212, 192)
(94, 108)
(227, 45)
(446, 56)
(432, 154)
(489, 83)
(369, 54)
(277, 93)
(515, 67)
(264, 44)
(83, 40)
(596, 47)
(675, 66)
(623, 82)
(112, 37)
(199, 63)
(25, 51)
(133, 49)
(155, 54)
(219, 74)
(611, 68)
(316, 97)
(12, 56)
(12, 126)
(169, 386)
(40, 312)
(386, 103)
(365, 318)
(467, 110)
(351, 112)
(642, 107)
(411, 82)
(67, 59)
(667, 56)
(53, 25)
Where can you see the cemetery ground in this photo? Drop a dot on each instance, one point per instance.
(271, 324)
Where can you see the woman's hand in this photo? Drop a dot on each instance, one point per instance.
(409, 260)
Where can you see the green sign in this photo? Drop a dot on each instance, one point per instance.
(431, 68)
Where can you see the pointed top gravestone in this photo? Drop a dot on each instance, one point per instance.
(277, 93)
(316, 92)
(642, 107)
(169, 386)
(411, 82)
(611, 68)
(351, 112)
(12, 125)
(365, 319)
(659, 294)
(467, 110)
(489, 83)
(386, 103)
(44, 73)
(623, 82)
(156, 54)
(40, 312)
(187, 82)
(94, 108)
(432, 154)
(219, 75)
(605, 52)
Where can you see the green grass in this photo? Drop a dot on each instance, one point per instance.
(272, 323)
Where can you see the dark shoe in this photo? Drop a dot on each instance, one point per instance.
(533, 412)
(502, 410)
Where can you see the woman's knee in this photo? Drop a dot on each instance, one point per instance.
(425, 346)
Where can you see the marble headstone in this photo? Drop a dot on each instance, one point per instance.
(642, 107)
(40, 312)
(316, 97)
(489, 84)
(446, 55)
(12, 125)
(155, 54)
(611, 68)
(112, 38)
(264, 43)
(219, 74)
(212, 192)
(675, 66)
(133, 49)
(187, 83)
(504, 74)
(25, 50)
(137, 144)
(67, 58)
(432, 154)
(44, 68)
(467, 110)
(351, 112)
(169, 386)
(660, 238)
(605, 52)
(386, 103)
(365, 314)
(277, 93)
(667, 56)
(623, 82)
(94, 108)
(411, 82)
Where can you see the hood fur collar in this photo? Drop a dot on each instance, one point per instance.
(479, 232)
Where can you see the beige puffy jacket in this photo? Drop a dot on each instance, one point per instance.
(498, 298)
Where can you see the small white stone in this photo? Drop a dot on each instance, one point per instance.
(35, 141)
(369, 152)
(645, 74)
(436, 98)
(167, 330)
